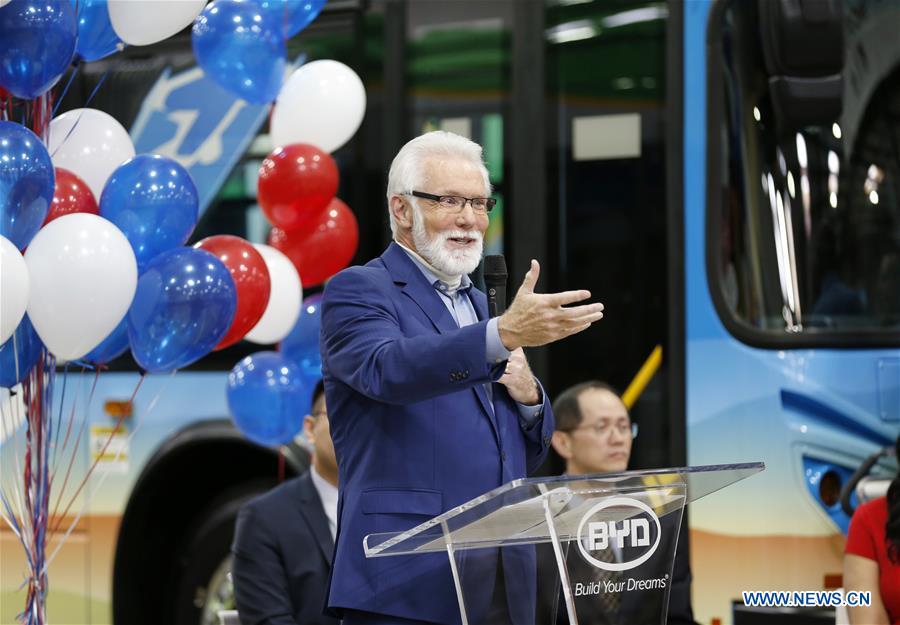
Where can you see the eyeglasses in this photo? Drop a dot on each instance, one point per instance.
(603, 429)
(453, 204)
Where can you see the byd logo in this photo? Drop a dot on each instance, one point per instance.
(629, 533)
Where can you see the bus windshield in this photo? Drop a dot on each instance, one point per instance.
(804, 204)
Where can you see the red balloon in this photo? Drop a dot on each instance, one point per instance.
(326, 250)
(71, 195)
(251, 277)
(296, 182)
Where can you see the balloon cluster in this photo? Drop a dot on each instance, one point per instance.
(99, 277)
(268, 392)
(318, 109)
(313, 228)
(92, 235)
(39, 40)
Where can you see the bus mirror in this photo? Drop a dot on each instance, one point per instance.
(803, 48)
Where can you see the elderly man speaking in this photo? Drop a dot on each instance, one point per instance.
(431, 402)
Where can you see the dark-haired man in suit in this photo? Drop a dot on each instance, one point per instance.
(284, 539)
(594, 434)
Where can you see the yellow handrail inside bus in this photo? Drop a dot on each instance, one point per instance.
(642, 377)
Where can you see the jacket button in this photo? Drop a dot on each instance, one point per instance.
(503, 456)
(452, 377)
(466, 373)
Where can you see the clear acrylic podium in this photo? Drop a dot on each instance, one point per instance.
(592, 550)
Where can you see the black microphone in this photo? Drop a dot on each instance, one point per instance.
(495, 282)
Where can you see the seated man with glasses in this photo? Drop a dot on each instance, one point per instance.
(594, 434)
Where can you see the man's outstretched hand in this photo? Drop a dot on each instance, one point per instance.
(540, 318)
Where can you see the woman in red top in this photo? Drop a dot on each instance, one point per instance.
(872, 558)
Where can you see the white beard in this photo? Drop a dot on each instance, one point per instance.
(453, 262)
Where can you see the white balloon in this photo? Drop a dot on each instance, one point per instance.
(97, 145)
(83, 277)
(13, 288)
(142, 22)
(322, 103)
(285, 296)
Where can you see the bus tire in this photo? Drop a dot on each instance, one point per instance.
(207, 544)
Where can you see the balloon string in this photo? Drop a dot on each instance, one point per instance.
(62, 401)
(26, 477)
(40, 107)
(65, 90)
(61, 491)
(71, 419)
(97, 88)
(46, 430)
(150, 407)
(118, 426)
(17, 492)
(9, 517)
(77, 121)
(36, 487)
(45, 424)
(18, 500)
(6, 104)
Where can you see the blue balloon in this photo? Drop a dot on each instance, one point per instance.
(19, 354)
(294, 15)
(301, 345)
(184, 304)
(154, 202)
(37, 43)
(240, 46)
(96, 37)
(26, 183)
(267, 398)
(112, 346)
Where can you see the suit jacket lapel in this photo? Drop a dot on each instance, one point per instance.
(314, 515)
(414, 286)
(481, 312)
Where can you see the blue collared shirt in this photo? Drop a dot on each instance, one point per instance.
(463, 312)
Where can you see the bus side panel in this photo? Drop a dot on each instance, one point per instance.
(81, 574)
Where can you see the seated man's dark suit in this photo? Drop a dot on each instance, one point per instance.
(282, 557)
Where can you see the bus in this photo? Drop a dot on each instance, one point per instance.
(721, 174)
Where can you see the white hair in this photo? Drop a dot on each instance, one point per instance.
(406, 169)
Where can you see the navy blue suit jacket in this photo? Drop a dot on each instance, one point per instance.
(414, 433)
(282, 556)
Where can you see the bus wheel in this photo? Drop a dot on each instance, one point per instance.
(202, 572)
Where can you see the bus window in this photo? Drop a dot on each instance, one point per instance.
(804, 212)
(606, 83)
(458, 73)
